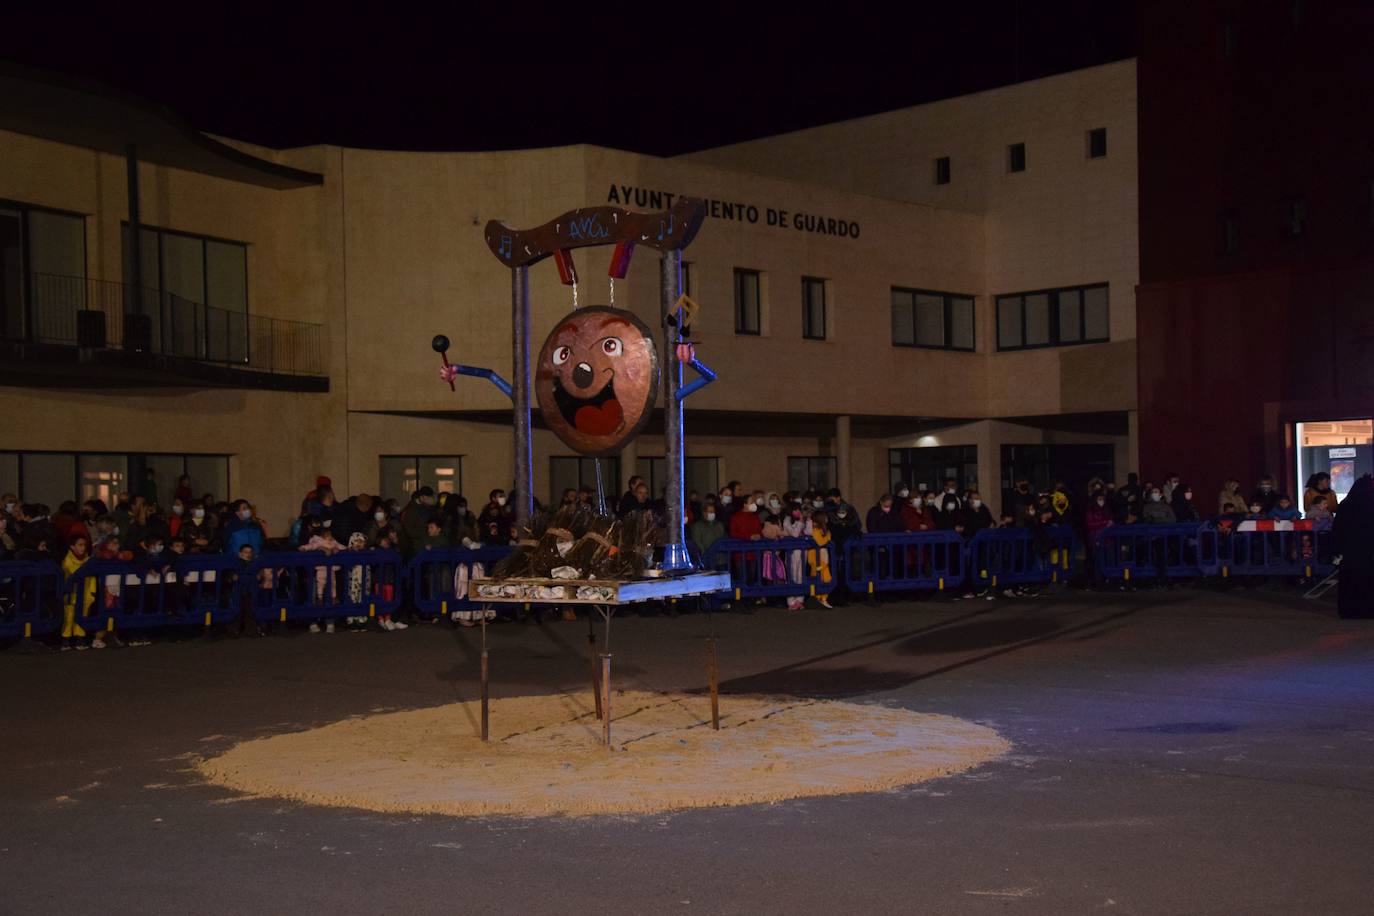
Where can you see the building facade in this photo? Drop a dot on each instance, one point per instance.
(947, 290)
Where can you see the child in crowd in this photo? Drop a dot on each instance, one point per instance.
(78, 554)
(259, 596)
(795, 525)
(321, 540)
(819, 559)
(1284, 510)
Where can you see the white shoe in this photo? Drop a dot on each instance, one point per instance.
(314, 628)
(397, 625)
(388, 625)
(329, 627)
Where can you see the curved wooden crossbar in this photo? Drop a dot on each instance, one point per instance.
(666, 230)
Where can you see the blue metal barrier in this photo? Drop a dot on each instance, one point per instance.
(765, 569)
(1184, 550)
(30, 598)
(1010, 556)
(432, 577)
(905, 561)
(1276, 553)
(311, 585)
(199, 589)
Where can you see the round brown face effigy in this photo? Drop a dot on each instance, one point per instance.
(597, 379)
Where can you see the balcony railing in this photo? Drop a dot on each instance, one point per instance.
(100, 314)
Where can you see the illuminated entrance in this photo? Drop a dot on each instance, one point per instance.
(1342, 448)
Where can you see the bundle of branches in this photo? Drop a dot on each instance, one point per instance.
(516, 564)
(538, 551)
(636, 536)
(593, 545)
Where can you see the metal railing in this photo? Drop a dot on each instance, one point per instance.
(77, 311)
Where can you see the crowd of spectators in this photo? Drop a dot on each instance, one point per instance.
(139, 529)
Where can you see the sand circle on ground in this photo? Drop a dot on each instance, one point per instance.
(545, 755)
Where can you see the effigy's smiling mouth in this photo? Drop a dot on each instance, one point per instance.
(598, 415)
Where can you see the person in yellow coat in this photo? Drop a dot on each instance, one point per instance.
(78, 553)
(819, 559)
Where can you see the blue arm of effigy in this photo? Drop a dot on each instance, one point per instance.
(705, 376)
(488, 375)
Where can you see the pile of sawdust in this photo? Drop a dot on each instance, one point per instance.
(545, 755)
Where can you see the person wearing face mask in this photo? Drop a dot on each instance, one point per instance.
(242, 529)
(497, 520)
(177, 518)
(901, 493)
(1157, 511)
(1182, 504)
(1230, 495)
(773, 502)
(745, 525)
(951, 490)
(834, 501)
(725, 506)
(8, 503)
(914, 516)
(380, 527)
(1168, 487)
(707, 529)
(1097, 519)
(198, 530)
(1265, 494)
(883, 518)
(977, 516)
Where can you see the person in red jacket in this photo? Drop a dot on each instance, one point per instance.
(745, 525)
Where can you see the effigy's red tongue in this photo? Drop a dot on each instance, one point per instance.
(599, 421)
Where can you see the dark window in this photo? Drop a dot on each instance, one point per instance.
(922, 318)
(700, 474)
(53, 477)
(813, 308)
(1043, 465)
(1016, 157)
(1230, 234)
(811, 473)
(570, 472)
(748, 306)
(928, 468)
(42, 272)
(1294, 218)
(1052, 318)
(194, 288)
(1097, 143)
(942, 170)
(402, 475)
(1230, 40)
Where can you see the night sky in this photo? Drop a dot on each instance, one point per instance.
(501, 82)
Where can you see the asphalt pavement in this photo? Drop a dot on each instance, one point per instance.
(1175, 752)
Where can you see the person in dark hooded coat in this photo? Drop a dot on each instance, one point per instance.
(1353, 530)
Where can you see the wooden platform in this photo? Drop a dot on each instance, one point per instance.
(597, 591)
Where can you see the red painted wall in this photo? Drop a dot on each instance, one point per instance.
(1232, 346)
